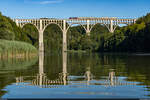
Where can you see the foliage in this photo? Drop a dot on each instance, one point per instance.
(6, 29)
(131, 38)
(53, 39)
(31, 33)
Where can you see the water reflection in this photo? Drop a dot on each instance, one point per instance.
(72, 75)
(88, 75)
(41, 78)
(43, 81)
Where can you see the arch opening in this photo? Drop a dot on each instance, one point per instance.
(53, 24)
(99, 28)
(31, 34)
(122, 25)
(52, 36)
(76, 25)
(75, 32)
(98, 34)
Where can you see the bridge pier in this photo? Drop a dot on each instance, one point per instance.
(41, 44)
(64, 36)
(64, 41)
(88, 28)
(111, 26)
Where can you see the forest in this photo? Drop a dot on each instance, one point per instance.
(130, 38)
(13, 40)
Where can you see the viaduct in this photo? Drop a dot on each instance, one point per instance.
(64, 24)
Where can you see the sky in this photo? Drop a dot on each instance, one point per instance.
(74, 8)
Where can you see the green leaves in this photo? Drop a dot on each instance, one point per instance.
(6, 34)
(53, 39)
(30, 34)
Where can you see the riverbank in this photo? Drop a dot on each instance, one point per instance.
(16, 49)
(76, 51)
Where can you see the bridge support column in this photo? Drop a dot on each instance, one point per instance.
(41, 44)
(17, 22)
(111, 26)
(88, 28)
(64, 36)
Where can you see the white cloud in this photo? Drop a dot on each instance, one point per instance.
(51, 2)
(43, 2)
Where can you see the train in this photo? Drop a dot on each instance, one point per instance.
(73, 17)
(47, 18)
(89, 17)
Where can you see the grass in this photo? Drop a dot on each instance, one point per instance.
(16, 49)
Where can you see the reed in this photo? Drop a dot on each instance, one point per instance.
(16, 49)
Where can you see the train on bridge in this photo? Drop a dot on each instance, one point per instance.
(90, 18)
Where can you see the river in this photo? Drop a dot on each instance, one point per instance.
(76, 75)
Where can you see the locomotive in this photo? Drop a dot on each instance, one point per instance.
(73, 17)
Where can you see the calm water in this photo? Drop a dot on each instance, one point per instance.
(76, 76)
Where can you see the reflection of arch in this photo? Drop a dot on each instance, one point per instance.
(74, 24)
(52, 24)
(22, 26)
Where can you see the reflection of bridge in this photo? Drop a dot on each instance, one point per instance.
(65, 24)
(113, 80)
(42, 80)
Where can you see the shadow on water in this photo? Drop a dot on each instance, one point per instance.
(80, 70)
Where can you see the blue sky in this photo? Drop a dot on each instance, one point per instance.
(73, 8)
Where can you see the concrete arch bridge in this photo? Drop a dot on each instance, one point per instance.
(64, 24)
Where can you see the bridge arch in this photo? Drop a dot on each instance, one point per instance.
(106, 25)
(22, 26)
(92, 27)
(70, 25)
(52, 24)
(53, 37)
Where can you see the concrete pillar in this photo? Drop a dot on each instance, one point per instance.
(88, 28)
(41, 43)
(134, 21)
(64, 36)
(65, 68)
(111, 26)
(41, 54)
(17, 23)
